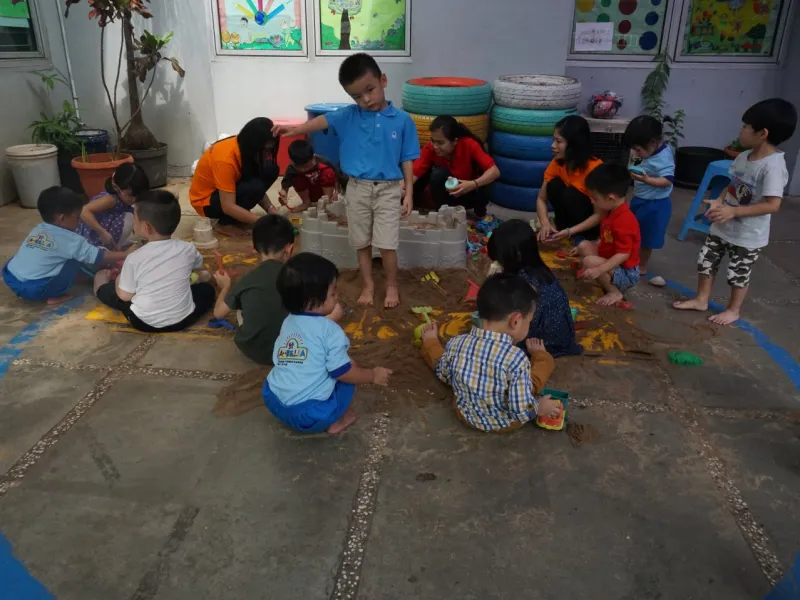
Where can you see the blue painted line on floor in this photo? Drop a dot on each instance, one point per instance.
(17, 583)
(781, 357)
(14, 347)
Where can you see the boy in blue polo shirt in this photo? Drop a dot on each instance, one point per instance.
(378, 144)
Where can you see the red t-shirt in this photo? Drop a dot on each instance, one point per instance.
(467, 157)
(314, 180)
(619, 234)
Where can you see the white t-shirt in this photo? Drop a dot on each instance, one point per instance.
(751, 182)
(157, 274)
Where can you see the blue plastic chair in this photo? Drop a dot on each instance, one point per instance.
(714, 181)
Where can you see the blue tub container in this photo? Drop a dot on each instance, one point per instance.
(325, 142)
(94, 140)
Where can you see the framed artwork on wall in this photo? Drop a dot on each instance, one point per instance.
(380, 27)
(260, 27)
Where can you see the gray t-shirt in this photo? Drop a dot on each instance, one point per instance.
(751, 182)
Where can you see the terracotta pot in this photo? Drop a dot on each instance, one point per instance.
(731, 152)
(94, 171)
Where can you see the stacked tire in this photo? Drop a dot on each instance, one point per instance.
(526, 110)
(468, 100)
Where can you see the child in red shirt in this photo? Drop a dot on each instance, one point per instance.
(612, 261)
(311, 176)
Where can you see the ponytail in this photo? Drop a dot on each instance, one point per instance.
(452, 129)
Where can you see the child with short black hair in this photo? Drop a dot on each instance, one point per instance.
(612, 261)
(153, 289)
(312, 384)
(494, 382)
(653, 177)
(311, 176)
(378, 144)
(48, 261)
(740, 217)
(255, 296)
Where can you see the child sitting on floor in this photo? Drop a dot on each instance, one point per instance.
(513, 245)
(312, 384)
(153, 289)
(48, 261)
(494, 383)
(107, 219)
(255, 295)
(311, 176)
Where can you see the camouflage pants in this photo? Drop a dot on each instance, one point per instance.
(740, 261)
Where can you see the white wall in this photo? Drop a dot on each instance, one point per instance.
(790, 90)
(22, 96)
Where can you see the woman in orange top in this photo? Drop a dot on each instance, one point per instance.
(234, 174)
(565, 179)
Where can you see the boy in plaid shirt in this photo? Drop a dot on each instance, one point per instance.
(494, 382)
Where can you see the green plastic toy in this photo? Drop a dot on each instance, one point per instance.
(685, 359)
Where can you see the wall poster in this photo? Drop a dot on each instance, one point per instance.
(732, 27)
(261, 27)
(638, 25)
(380, 27)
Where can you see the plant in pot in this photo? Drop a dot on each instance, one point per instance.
(142, 55)
(734, 149)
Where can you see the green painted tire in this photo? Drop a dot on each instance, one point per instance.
(454, 96)
(527, 122)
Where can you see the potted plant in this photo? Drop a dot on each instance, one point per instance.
(142, 55)
(734, 149)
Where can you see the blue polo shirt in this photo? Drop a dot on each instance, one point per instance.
(660, 164)
(372, 145)
(47, 249)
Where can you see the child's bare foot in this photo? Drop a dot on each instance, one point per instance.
(726, 317)
(392, 297)
(348, 418)
(367, 297)
(610, 299)
(693, 304)
(59, 300)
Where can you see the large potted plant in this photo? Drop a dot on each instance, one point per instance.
(142, 55)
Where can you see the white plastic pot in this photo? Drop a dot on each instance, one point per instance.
(35, 168)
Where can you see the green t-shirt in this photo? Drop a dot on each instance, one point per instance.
(257, 297)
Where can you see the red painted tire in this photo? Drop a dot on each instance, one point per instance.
(456, 96)
(451, 82)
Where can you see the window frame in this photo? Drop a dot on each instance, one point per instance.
(17, 58)
(378, 54)
(220, 51)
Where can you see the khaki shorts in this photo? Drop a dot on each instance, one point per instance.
(373, 213)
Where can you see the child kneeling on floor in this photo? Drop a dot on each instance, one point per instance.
(312, 384)
(153, 289)
(255, 295)
(494, 383)
(48, 261)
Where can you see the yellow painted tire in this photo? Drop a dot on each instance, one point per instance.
(478, 124)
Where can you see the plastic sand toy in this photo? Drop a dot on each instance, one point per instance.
(451, 183)
(558, 423)
(686, 359)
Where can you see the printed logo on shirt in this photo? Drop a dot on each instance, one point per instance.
(394, 135)
(292, 351)
(608, 237)
(41, 241)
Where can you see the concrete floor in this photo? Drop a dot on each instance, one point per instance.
(120, 483)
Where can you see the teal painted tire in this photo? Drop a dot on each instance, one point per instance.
(527, 122)
(454, 96)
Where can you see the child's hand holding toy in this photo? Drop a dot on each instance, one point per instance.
(223, 280)
(337, 313)
(549, 408)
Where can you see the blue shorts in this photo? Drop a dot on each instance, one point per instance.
(624, 279)
(311, 416)
(42, 289)
(653, 217)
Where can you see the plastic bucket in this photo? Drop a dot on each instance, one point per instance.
(283, 151)
(95, 141)
(325, 142)
(35, 168)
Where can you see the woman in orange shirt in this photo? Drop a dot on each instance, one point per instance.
(233, 176)
(565, 179)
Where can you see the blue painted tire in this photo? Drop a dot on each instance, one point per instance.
(526, 147)
(527, 173)
(515, 197)
(459, 97)
(527, 122)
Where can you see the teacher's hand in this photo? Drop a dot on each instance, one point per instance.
(463, 187)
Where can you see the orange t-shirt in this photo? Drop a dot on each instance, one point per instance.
(220, 168)
(576, 179)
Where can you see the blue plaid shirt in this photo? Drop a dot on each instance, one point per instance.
(491, 379)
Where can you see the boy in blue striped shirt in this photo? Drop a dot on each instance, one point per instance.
(494, 382)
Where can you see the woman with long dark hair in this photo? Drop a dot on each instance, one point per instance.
(454, 151)
(565, 179)
(234, 174)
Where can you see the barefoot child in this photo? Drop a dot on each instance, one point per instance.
(612, 261)
(740, 217)
(651, 203)
(494, 383)
(513, 245)
(255, 294)
(311, 176)
(378, 144)
(48, 261)
(312, 384)
(153, 289)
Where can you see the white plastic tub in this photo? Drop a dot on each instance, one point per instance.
(35, 168)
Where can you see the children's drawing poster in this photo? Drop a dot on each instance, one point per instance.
(275, 26)
(374, 26)
(732, 27)
(638, 25)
